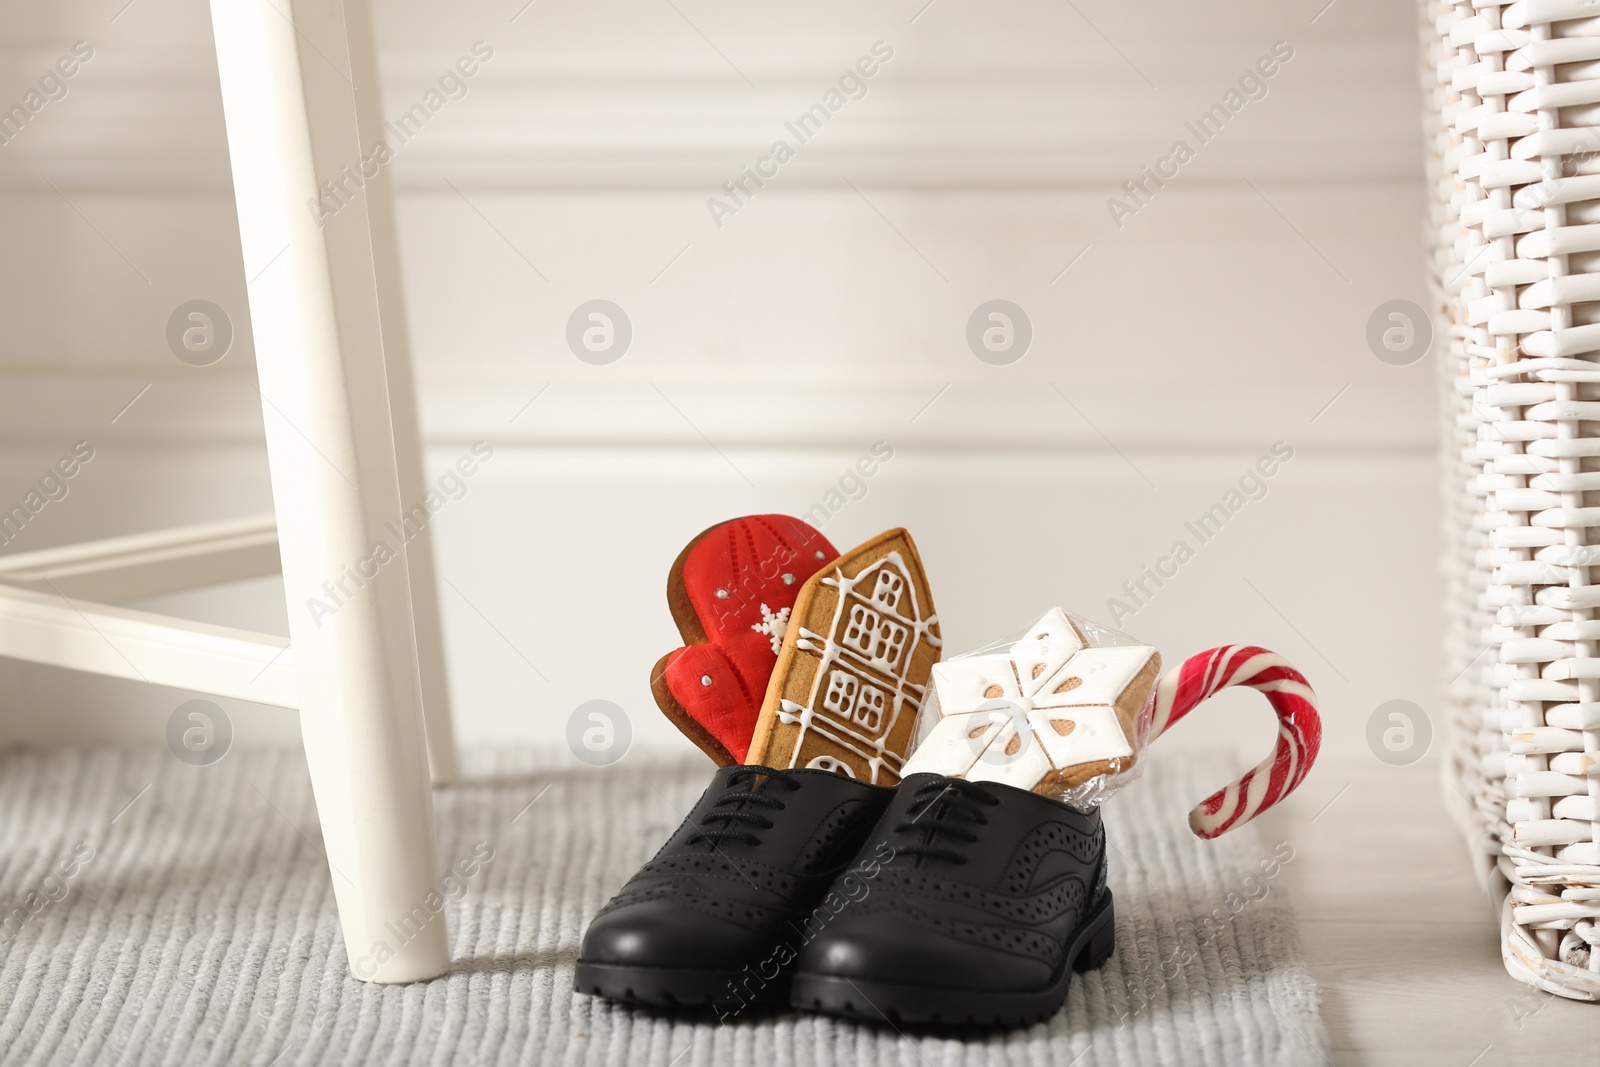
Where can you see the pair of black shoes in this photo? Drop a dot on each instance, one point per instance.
(937, 901)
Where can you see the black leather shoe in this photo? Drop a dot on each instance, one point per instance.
(714, 918)
(988, 899)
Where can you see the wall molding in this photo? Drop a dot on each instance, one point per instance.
(136, 121)
(50, 411)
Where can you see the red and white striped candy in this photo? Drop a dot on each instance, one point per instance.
(1299, 728)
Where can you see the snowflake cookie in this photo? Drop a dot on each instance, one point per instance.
(1047, 714)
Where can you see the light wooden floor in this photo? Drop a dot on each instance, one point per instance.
(1397, 933)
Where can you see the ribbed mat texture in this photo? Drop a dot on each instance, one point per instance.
(197, 926)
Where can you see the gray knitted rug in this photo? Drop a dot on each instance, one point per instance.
(160, 913)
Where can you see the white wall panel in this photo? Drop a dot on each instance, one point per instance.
(555, 562)
(639, 94)
(1202, 321)
(1228, 312)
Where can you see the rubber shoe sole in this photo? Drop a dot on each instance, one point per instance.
(900, 1004)
(674, 987)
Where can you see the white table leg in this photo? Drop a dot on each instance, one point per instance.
(291, 120)
(379, 195)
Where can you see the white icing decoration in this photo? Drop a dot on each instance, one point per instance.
(1096, 735)
(859, 689)
(722, 594)
(773, 625)
(1028, 764)
(788, 579)
(1020, 685)
(831, 763)
(705, 679)
(1105, 673)
(949, 749)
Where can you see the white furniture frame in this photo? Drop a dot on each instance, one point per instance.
(302, 100)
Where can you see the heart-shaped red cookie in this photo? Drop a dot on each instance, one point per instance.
(731, 590)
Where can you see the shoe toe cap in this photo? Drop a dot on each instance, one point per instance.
(667, 934)
(894, 947)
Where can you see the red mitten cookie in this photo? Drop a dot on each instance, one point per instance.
(731, 590)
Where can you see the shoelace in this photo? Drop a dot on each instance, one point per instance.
(736, 823)
(948, 808)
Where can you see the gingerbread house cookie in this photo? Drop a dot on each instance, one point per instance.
(853, 667)
(1047, 714)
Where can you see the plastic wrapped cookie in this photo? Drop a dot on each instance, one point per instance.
(1069, 709)
(1056, 709)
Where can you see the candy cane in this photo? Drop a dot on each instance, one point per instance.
(1299, 728)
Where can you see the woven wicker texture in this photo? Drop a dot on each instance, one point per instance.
(1515, 129)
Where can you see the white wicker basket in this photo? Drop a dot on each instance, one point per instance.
(1514, 116)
